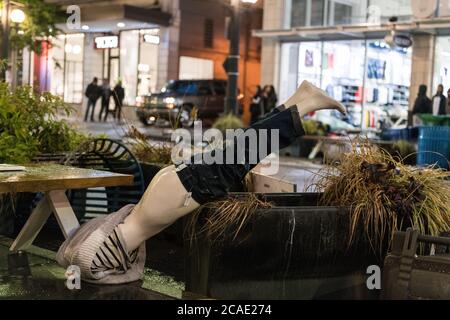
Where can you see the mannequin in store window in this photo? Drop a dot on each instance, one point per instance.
(111, 249)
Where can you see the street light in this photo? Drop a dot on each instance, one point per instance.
(231, 64)
(17, 16)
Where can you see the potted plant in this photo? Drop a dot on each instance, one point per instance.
(314, 246)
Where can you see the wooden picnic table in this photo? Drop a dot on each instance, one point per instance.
(54, 180)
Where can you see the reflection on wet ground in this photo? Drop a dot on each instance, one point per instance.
(35, 275)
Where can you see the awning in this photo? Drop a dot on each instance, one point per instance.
(101, 18)
(439, 27)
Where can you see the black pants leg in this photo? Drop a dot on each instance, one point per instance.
(90, 104)
(209, 182)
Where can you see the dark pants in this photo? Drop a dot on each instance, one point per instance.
(91, 103)
(118, 109)
(104, 109)
(209, 182)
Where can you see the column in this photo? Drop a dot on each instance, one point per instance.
(422, 65)
(272, 20)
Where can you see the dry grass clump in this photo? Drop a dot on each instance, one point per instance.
(213, 219)
(151, 152)
(385, 196)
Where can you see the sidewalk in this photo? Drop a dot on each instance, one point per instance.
(41, 278)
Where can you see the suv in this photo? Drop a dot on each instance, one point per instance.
(186, 99)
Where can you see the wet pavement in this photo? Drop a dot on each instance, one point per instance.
(35, 275)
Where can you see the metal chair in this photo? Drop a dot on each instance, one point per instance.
(107, 155)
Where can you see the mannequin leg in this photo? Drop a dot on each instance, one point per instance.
(162, 204)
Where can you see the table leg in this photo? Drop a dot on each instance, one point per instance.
(63, 211)
(33, 225)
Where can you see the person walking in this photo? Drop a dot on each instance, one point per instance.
(439, 102)
(421, 105)
(118, 96)
(106, 97)
(92, 93)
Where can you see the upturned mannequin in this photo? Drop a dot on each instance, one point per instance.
(167, 200)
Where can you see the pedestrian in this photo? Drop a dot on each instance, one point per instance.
(118, 96)
(256, 107)
(421, 105)
(439, 102)
(92, 93)
(106, 97)
(269, 99)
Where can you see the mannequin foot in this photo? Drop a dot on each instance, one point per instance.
(309, 98)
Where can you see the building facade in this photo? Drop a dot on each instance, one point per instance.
(143, 43)
(346, 47)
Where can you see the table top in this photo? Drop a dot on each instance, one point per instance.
(49, 177)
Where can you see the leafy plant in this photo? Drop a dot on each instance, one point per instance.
(29, 125)
(228, 121)
(40, 22)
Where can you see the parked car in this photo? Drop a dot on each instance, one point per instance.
(187, 99)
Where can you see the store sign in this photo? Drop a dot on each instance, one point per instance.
(402, 41)
(106, 42)
(398, 40)
(150, 38)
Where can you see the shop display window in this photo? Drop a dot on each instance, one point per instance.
(66, 60)
(369, 78)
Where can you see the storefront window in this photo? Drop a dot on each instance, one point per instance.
(442, 64)
(388, 74)
(317, 12)
(298, 13)
(310, 62)
(303, 13)
(148, 61)
(343, 74)
(66, 79)
(129, 55)
(369, 78)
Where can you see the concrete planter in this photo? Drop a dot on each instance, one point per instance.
(295, 250)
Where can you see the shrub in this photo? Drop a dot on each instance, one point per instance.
(29, 125)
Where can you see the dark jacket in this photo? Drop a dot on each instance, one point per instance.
(422, 105)
(118, 95)
(442, 104)
(92, 92)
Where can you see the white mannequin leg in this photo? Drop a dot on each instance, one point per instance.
(163, 203)
(165, 199)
